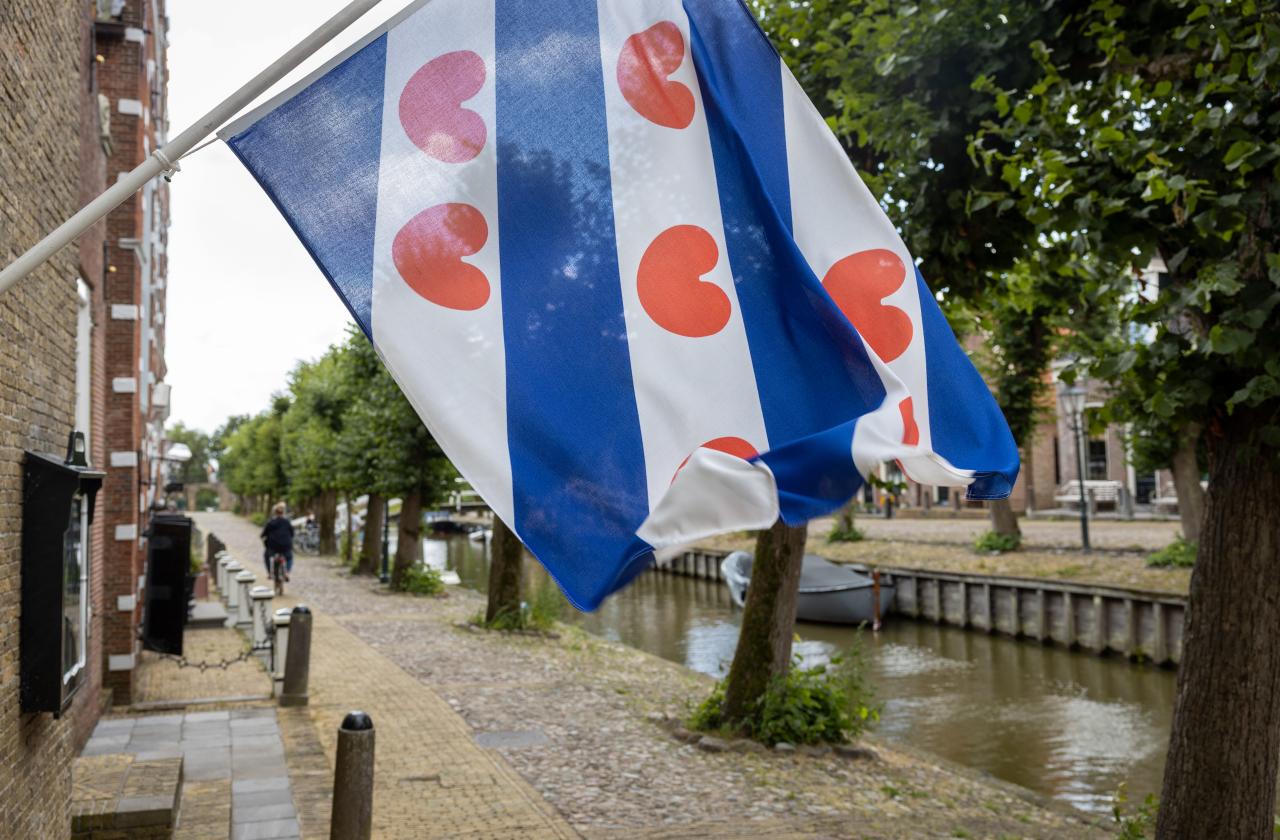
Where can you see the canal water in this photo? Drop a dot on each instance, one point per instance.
(1070, 726)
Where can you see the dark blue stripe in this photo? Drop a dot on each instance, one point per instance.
(317, 157)
(965, 423)
(577, 459)
(815, 474)
(811, 369)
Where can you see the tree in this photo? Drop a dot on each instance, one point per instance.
(1151, 130)
(763, 653)
(250, 464)
(196, 469)
(505, 568)
(385, 448)
(309, 439)
(896, 83)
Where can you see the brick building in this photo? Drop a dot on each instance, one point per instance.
(132, 77)
(81, 99)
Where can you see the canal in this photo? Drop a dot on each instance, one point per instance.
(1070, 726)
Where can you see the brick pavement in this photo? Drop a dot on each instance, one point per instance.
(431, 778)
(160, 681)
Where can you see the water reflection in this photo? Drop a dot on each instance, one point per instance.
(1067, 725)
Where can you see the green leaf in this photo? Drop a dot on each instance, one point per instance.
(1239, 151)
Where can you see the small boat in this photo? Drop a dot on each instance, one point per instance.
(829, 592)
(480, 535)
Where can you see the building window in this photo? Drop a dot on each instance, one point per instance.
(1097, 459)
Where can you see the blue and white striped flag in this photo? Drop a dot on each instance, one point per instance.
(624, 272)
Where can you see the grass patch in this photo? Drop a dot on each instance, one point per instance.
(1178, 554)
(991, 542)
(847, 535)
(539, 614)
(421, 580)
(824, 704)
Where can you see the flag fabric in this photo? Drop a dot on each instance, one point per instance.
(624, 272)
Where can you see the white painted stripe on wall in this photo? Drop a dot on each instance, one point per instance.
(120, 662)
(126, 603)
(126, 532)
(124, 459)
(124, 385)
(136, 35)
(664, 177)
(463, 402)
(124, 311)
(132, 107)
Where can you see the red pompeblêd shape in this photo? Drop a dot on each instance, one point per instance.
(648, 58)
(858, 283)
(670, 286)
(735, 446)
(431, 107)
(910, 429)
(428, 253)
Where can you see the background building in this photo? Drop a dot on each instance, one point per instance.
(81, 348)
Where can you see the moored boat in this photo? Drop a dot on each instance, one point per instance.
(829, 592)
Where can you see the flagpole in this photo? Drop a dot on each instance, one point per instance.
(164, 160)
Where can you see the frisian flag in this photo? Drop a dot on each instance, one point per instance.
(624, 272)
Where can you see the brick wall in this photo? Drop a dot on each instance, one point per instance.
(40, 115)
(93, 180)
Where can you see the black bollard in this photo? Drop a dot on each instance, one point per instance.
(353, 780)
(297, 663)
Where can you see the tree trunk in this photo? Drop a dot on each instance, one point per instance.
(1029, 471)
(371, 546)
(409, 539)
(768, 619)
(505, 565)
(1003, 519)
(845, 517)
(349, 549)
(327, 517)
(1220, 775)
(1186, 483)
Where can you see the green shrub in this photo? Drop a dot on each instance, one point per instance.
(838, 534)
(1136, 824)
(1178, 554)
(421, 580)
(539, 614)
(990, 542)
(258, 518)
(823, 704)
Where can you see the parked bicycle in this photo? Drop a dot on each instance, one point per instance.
(307, 541)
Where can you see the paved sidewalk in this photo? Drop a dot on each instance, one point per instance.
(431, 778)
(234, 779)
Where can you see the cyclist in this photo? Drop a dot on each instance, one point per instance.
(277, 537)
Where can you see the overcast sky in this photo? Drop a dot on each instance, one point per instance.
(245, 302)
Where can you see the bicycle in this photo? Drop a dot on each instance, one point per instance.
(308, 541)
(279, 571)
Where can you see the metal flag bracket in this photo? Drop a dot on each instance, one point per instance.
(171, 167)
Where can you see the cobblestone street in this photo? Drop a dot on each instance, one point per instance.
(497, 736)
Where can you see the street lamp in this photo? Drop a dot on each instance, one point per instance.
(1072, 401)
